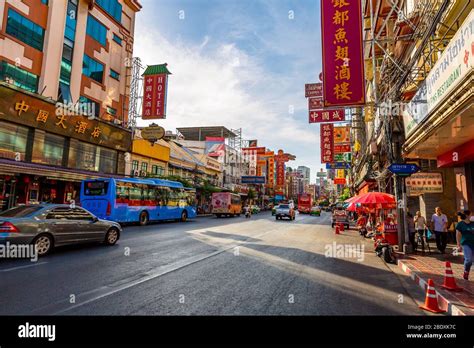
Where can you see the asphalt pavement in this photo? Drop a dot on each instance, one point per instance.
(210, 266)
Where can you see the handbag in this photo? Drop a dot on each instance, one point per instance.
(428, 233)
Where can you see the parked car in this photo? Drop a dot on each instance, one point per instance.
(316, 211)
(285, 210)
(51, 225)
(340, 216)
(255, 209)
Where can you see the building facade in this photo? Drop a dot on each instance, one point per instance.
(63, 95)
(149, 160)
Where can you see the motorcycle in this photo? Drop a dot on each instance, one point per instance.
(383, 249)
(363, 231)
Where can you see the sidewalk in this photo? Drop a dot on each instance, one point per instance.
(420, 268)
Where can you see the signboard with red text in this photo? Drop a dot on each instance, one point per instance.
(313, 90)
(327, 142)
(343, 64)
(322, 115)
(315, 103)
(154, 96)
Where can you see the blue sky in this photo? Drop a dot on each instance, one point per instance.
(238, 63)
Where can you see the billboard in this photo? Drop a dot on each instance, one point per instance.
(253, 180)
(315, 103)
(154, 96)
(215, 147)
(325, 115)
(313, 90)
(343, 64)
(327, 143)
(342, 135)
(420, 183)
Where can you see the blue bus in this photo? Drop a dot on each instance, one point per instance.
(138, 200)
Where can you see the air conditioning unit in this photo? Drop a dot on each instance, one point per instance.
(117, 121)
(135, 173)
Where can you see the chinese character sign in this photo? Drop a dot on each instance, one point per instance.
(154, 96)
(280, 167)
(326, 115)
(327, 143)
(343, 65)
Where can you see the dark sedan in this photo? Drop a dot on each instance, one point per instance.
(49, 225)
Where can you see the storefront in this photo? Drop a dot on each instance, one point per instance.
(46, 150)
(439, 124)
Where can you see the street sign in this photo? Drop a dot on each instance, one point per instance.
(321, 174)
(340, 181)
(403, 169)
(153, 133)
(253, 180)
(313, 90)
(338, 165)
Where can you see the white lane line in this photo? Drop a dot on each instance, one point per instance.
(21, 267)
(107, 290)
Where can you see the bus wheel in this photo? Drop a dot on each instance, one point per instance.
(184, 216)
(143, 221)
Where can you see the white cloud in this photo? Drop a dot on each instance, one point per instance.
(221, 87)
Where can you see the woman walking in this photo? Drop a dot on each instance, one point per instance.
(465, 240)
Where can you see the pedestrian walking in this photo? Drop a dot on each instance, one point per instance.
(439, 223)
(420, 228)
(465, 240)
(411, 230)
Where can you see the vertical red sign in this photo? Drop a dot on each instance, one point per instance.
(343, 64)
(327, 143)
(280, 165)
(154, 96)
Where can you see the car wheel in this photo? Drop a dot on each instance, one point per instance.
(143, 220)
(112, 236)
(184, 216)
(43, 244)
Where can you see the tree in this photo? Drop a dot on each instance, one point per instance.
(251, 195)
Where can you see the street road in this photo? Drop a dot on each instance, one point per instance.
(209, 266)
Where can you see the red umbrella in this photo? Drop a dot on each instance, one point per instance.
(372, 198)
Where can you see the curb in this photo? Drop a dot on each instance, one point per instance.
(204, 215)
(444, 304)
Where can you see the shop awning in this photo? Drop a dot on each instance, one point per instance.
(9, 167)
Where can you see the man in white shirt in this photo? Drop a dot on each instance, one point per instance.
(439, 222)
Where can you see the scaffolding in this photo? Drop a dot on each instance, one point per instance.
(135, 67)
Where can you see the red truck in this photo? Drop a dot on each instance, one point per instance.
(305, 203)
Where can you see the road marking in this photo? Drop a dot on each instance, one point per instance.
(21, 267)
(107, 290)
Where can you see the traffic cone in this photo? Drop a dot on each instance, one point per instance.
(336, 231)
(431, 302)
(449, 281)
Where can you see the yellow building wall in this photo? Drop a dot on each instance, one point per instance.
(158, 151)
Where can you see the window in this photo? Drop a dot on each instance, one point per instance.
(154, 169)
(18, 77)
(12, 140)
(60, 213)
(114, 74)
(93, 69)
(108, 160)
(49, 149)
(80, 214)
(122, 192)
(71, 20)
(144, 167)
(91, 108)
(134, 166)
(96, 30)
(112, 7)
(117, 39)
(136, 192)
(25, 30)
(85, 155)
